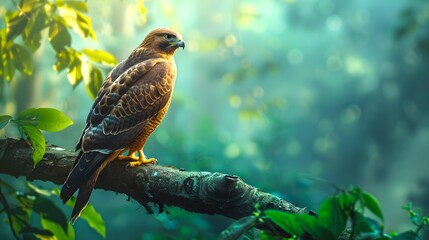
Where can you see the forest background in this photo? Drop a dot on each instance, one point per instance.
(276, 92)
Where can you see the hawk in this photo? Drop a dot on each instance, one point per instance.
(129, 106)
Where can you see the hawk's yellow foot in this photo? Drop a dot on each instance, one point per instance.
(137, 161)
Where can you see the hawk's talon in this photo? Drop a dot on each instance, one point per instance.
(137, 161)
(144, 161)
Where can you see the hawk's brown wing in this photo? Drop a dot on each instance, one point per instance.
(125, 106)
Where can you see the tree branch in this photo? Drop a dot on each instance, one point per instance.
(201, 192)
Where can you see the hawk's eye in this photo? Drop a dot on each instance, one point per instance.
(168, 37)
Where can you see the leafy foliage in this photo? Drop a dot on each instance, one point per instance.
(32, 120)
(26, 25)
(91, 216)
(59, 18)
(47, 119)
(21, 207)
(421, 222)
(4, 120)
(336, 213)
(37, 140)
(333, 215)
(22, 36)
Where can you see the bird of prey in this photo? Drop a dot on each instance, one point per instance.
(129, 106)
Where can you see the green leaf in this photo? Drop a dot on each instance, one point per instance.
(93, 78)
(370, 202)
(47, 119)
(37, 142)
(365, 226)
(20, 129)
(34, 42)
(6, 185)
(100, 56)
(50, 212)
(408, 235)
(15, 24)
(4, 120)
(332, 216)
(33, 119)
(59, 37)
(57, 230)
(38, 191)
(90, 215)
(266, 236)
(22, 59)
(361, 224)
(23, 214)
(38, 22)
(74, 74)
(63, 60)
(45, 234)
(79, 6)
(8, 66)
(3, 44)
(28, 6)
(77, 21)
(84, 23)
(346, 200)
(94, 220)
(414, 216)
(313, 226)
(32, 32)
(286, 221)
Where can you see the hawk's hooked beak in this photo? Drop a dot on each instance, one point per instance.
(180, 43)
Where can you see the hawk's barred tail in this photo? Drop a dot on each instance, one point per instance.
(83, 176)
(85, 166)
(83, 197)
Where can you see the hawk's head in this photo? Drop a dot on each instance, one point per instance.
(163, 40)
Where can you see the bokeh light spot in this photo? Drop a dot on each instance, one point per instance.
(351, 114)
(230, 40)
(355, 66)
(293, 147)
(295, 56)
(232, 151)
(323, 145)
(334, 23)
(234, 101)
